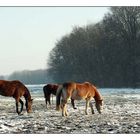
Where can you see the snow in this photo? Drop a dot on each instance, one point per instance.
(121, 115)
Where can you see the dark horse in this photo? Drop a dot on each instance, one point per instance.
(16, 89)
(79, 91)
(52, 89)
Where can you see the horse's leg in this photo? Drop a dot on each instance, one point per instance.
(46, 102)
(21, 102)
(17, 107)
(64, 108)
(87, 104)
(49, 100)
(73, 105)
(26, 103)
(52, 98)
(91, 106)
(17, 101)
(66, 111)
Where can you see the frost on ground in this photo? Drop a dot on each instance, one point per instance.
(121, 115)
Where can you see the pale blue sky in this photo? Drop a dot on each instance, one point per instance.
(28, 34)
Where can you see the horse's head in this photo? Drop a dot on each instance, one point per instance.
(29, 106)
(99, 105)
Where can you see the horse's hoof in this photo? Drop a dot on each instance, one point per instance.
(75, 107)
(66, 115)
(58, 108)
(20, 114)
(93, 112)
(63, 115)
(86, 113)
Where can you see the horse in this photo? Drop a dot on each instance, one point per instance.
(16, 89)
(79, 91)
(52, 89)
(48, 90)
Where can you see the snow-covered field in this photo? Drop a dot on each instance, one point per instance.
(121, 115)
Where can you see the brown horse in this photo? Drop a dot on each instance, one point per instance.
(79, 91)
(52, 89)
(16, 89)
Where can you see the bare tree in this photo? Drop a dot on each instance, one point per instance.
(128, 20)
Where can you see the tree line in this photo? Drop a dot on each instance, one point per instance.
(39, 76)
(106, 53)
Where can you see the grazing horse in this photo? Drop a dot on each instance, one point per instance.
(52, 89)
(16, 89)
(79, 91)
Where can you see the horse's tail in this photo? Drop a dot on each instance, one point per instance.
(44, 90)
(58, 97)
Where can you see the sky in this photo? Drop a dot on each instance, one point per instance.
(28, 34)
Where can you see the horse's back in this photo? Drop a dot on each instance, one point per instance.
(69, 85)
(74, 85)
(50, 88)
(79, 90)
(12, 88)
(84, 90)
(14, 83)
(83, 87)
(19, 85)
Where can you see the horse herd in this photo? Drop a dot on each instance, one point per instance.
(64, 92)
